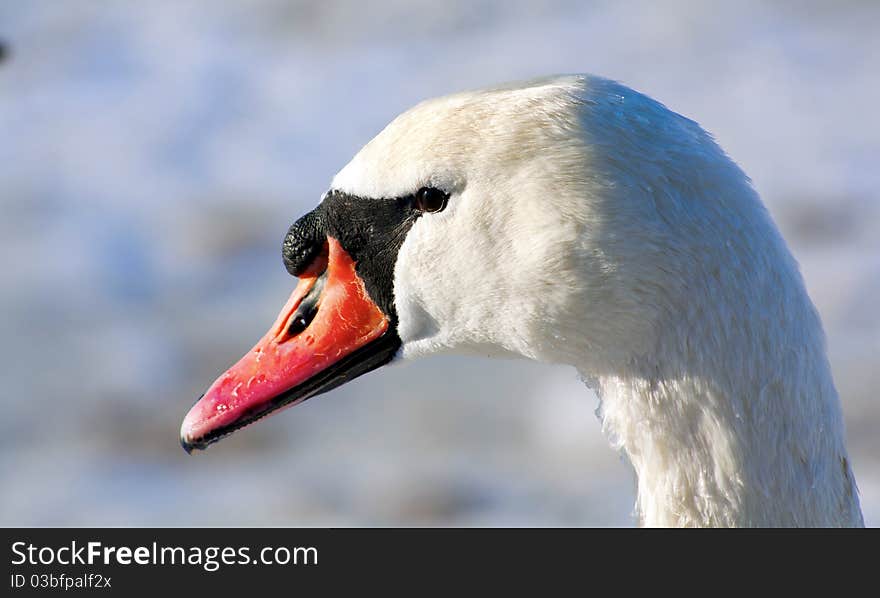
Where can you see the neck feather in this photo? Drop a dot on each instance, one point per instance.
(749, 438)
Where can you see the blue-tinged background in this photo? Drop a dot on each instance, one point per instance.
(154, 153)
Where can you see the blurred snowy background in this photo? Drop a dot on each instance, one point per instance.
(156, 153)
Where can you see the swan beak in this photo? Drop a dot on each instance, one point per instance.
(328, 333)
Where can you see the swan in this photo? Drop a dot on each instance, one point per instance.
(571, 220)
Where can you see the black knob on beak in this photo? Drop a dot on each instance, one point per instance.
(304, 241)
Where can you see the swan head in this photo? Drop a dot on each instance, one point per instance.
(530, 220)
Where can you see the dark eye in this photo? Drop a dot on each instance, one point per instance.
(431, 199)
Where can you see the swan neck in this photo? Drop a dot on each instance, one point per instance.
(721, 451)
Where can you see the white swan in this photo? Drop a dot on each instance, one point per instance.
(572, 220)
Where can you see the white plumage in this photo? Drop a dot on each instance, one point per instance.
(589, 225)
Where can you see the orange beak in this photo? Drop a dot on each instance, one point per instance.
(328, 333)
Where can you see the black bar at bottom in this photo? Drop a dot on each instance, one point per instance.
(235, 561)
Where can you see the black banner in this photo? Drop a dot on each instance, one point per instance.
(232, 561)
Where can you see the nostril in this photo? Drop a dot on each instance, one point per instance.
(298, 324)
(306, 310)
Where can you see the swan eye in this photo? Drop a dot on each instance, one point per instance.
(431, 199)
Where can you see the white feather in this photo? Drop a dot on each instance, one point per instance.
(591, 226)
